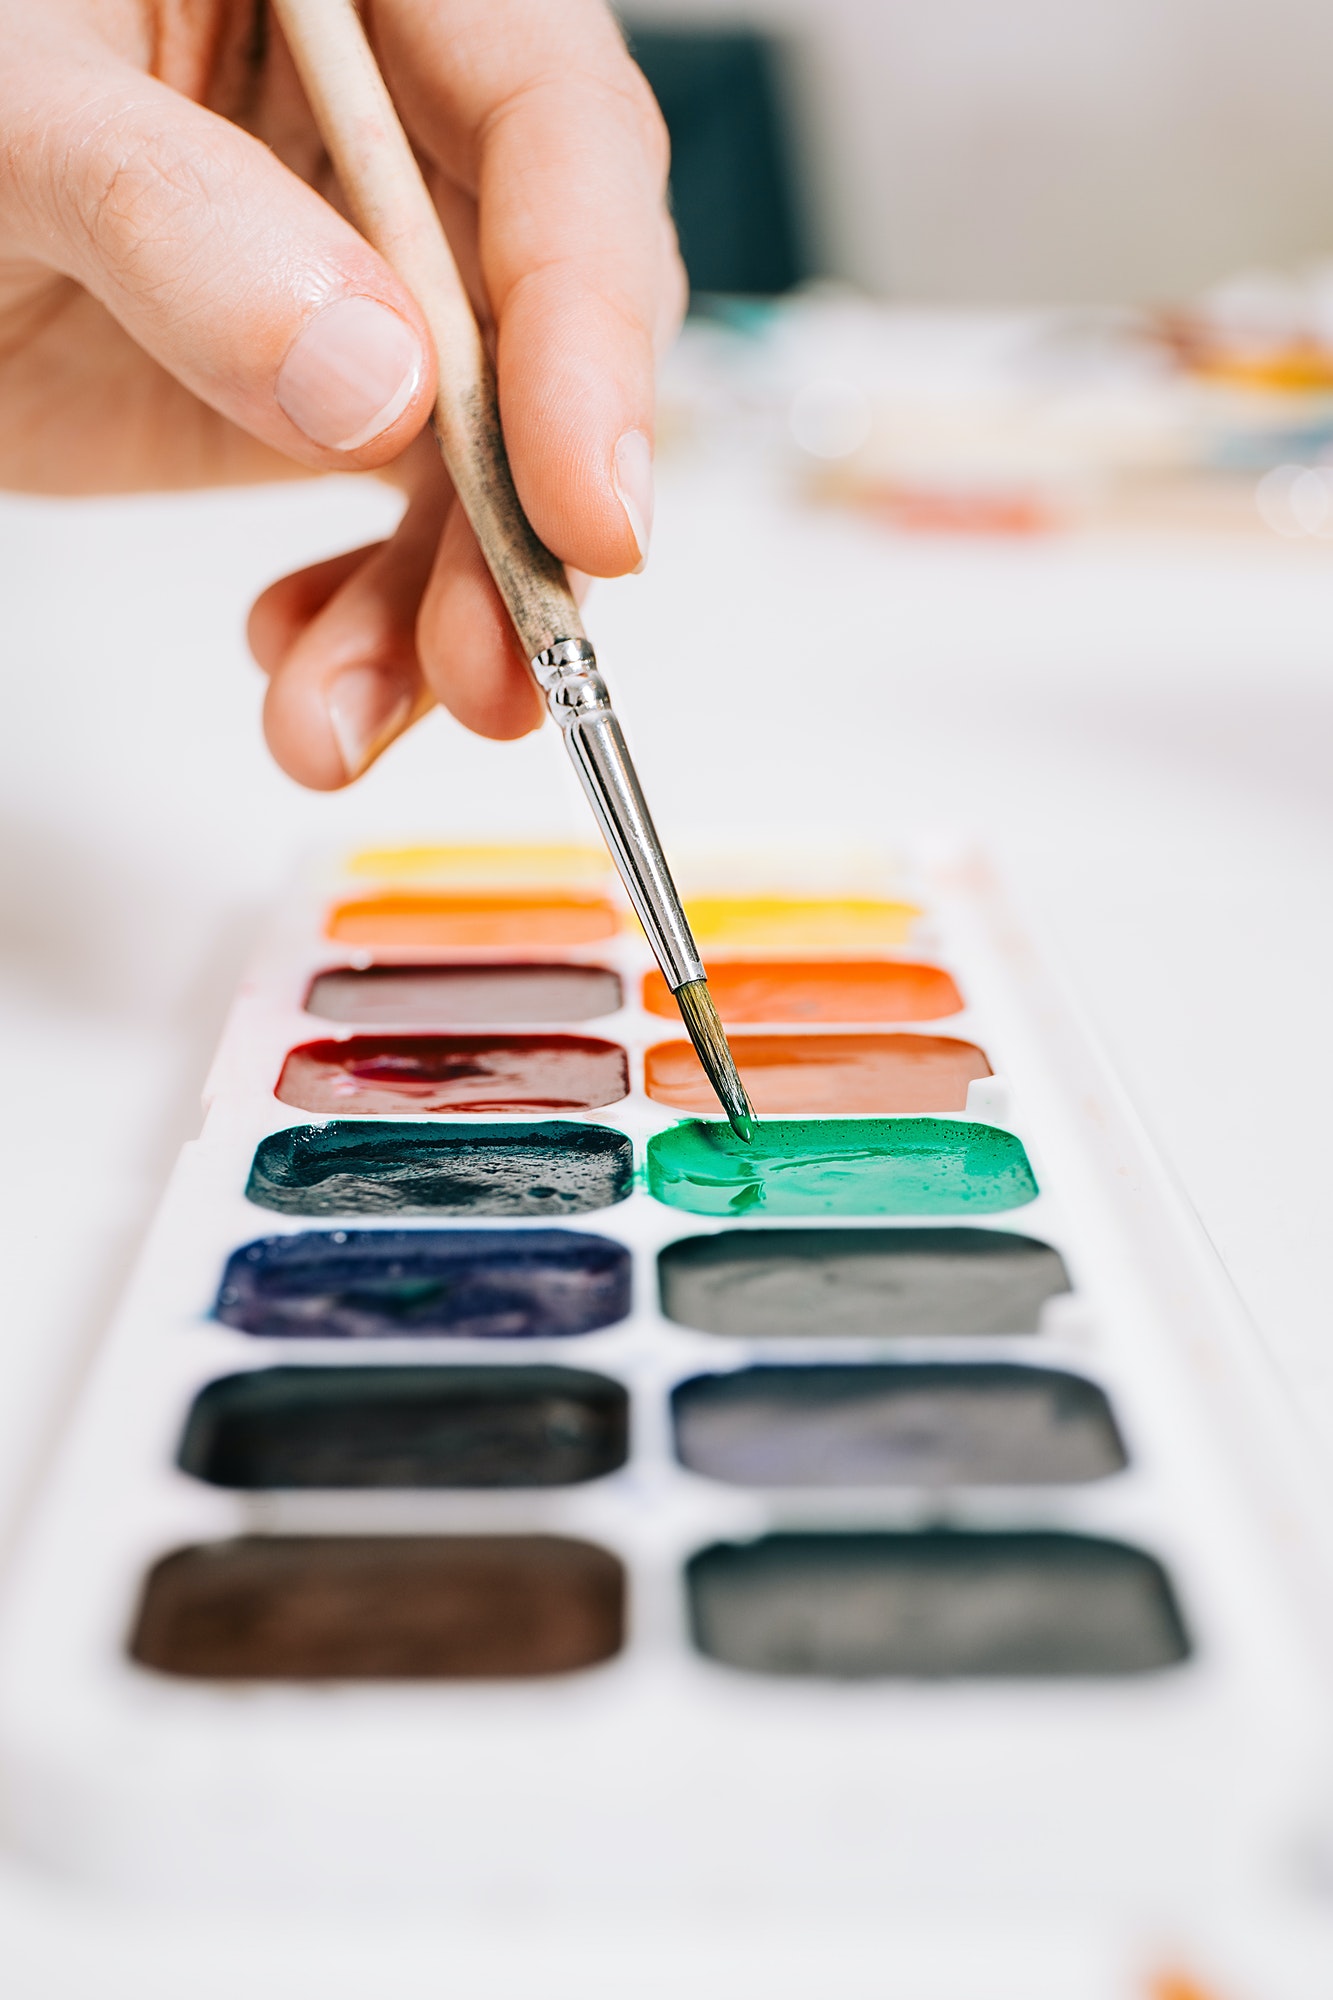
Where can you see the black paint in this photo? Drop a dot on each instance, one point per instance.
(750, 1284)
(375, 1167)
(277, 1428)
(396, 1284)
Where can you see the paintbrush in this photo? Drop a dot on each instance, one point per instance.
(389, 200)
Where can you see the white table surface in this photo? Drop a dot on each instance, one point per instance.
(1141, 730)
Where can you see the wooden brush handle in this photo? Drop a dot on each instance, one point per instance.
(394, 211)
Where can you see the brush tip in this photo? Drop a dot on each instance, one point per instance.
(705, 1028)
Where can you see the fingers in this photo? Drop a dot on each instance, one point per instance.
(339, 644)
(225, 266)
(469, 651)
(539, 112)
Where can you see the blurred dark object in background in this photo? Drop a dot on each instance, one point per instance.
(732, 186)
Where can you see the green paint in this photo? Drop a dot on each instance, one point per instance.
(841, 1166)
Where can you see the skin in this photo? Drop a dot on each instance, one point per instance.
(169, 225)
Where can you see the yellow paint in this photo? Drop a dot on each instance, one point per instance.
(786, 923)
(530, 866)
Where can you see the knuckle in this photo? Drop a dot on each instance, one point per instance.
(132, 188)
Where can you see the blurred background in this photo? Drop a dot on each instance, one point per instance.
(1036, 151)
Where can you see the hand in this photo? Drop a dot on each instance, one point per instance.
(181, 304)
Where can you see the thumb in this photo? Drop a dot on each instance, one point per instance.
(220, 262)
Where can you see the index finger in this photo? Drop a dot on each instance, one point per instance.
(535, 110)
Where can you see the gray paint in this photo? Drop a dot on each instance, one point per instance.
(934, 1605)
(751, 1284)
(900, 1425)
(444, 996)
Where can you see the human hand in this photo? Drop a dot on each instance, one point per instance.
(181, 305)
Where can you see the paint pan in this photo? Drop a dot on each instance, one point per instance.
(275, 1428)
(452, 921)
(831, 1075)
(381, 1607)
(506, 866)
(841, 1166)
(967, 1424)
(419, 1284)
(444, 996)
(813, 991)
(811, 924)
(934, 1605)
(845, 1283)
(348, 1168)
(384, 1074)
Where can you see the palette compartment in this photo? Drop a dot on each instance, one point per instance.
(218, 1674)
(445, 996)
(384, 1284)
(380, 1075)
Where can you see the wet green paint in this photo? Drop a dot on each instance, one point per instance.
(841, 1166)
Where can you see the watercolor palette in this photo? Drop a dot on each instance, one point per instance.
(501, 1481)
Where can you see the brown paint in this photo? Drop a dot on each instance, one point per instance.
(384, 1074)
(850, 989)
(381, 1607)
(814, 1074)
(447, 921)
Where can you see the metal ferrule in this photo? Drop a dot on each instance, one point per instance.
(577, 697)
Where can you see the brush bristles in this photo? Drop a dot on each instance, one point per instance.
(705, 1029)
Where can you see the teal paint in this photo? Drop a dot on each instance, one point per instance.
(841, 1166)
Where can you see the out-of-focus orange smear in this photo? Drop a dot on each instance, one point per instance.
(865, 989)
(446, 922)
(1299, 370)
(1179, 1986)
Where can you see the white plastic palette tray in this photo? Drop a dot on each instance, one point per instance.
(661, 1774)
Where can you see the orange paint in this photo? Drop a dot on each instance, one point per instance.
(817, 1074)
(786, 923)
(864, 989)
(448, 922)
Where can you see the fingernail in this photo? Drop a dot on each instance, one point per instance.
(633, 480)
(366, 711)
(350, 373)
